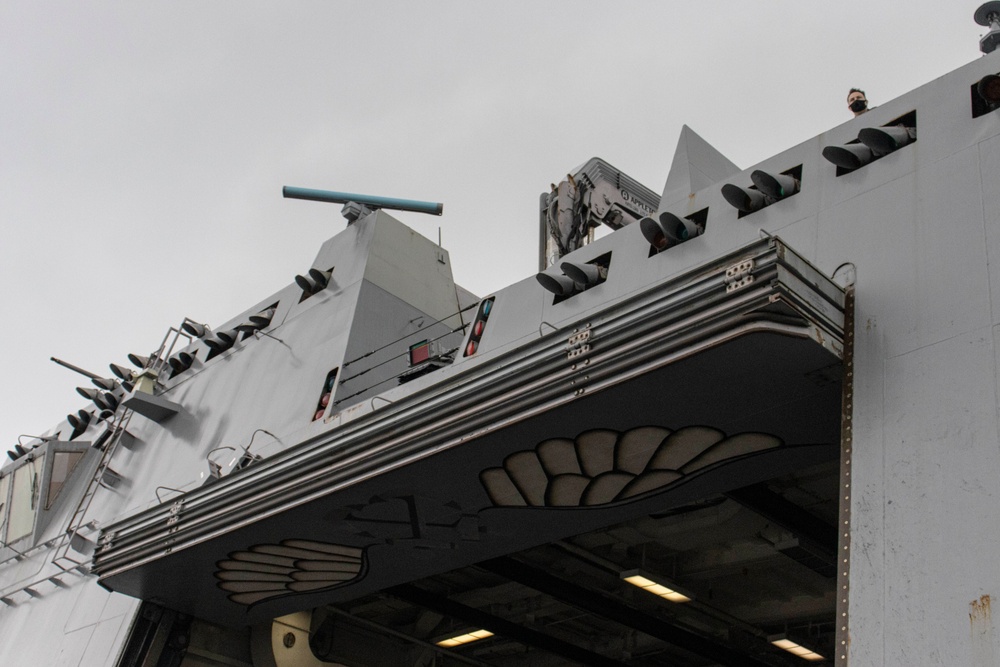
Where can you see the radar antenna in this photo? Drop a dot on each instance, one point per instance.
(988, 15)
(356, 206)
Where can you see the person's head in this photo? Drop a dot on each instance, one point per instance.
(857, 102)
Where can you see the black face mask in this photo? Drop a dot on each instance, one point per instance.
(858, 105)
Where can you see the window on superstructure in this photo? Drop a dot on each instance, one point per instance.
(24, 498)
(63, 465)
(4, 506)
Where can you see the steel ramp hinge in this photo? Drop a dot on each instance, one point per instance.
(175, 512)
(577, 343)
(106, 541)
(738, 275)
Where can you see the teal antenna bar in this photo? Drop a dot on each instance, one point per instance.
(433, 208)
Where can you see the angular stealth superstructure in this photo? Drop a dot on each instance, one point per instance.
(780, 417)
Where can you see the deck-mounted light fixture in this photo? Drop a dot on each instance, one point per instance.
(986, 95)
(88, 393)
(247, 457)
(19, 449)
(181, 361)
(667, 230)
(648, 583)
(242, 456)
(989, 88)
(138, 360)
(745, 200)
(106, 401)
(783, 642)
(257, 321)
(102, 403)
(214, 467)
(849, 156)
(884, 140)
(195, 329)
(222, 340)
(78, 421)
(464, 638)
(263, 318)
(557, 283)
(584, 275)
(121, 371)
(775, 186)
(314, 281)
(575, 277)
(107, 384)
(17, 452)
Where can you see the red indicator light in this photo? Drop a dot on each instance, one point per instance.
(325, 400)
(318, 415)
(471, 348)
(420, 353)
(477, 330)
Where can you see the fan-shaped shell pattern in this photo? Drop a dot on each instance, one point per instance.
(603, 466)
(295, 566)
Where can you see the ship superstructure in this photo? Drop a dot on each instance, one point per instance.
(755, 425)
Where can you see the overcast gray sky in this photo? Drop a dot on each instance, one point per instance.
(143, 146)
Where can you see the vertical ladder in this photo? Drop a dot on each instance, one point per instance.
(62, 558)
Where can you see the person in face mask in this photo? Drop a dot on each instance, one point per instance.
(857, 102)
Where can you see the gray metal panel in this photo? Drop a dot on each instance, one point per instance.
(941, 457)
(515, 319)
(413, 268)
(380, 336)
(696, 166)
(91, 624)
(220, 411)
(989, 167)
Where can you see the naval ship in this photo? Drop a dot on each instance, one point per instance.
(755, 424)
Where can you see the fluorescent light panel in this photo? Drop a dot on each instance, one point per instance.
(783, 642)
(458, 640)
(643, 581)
